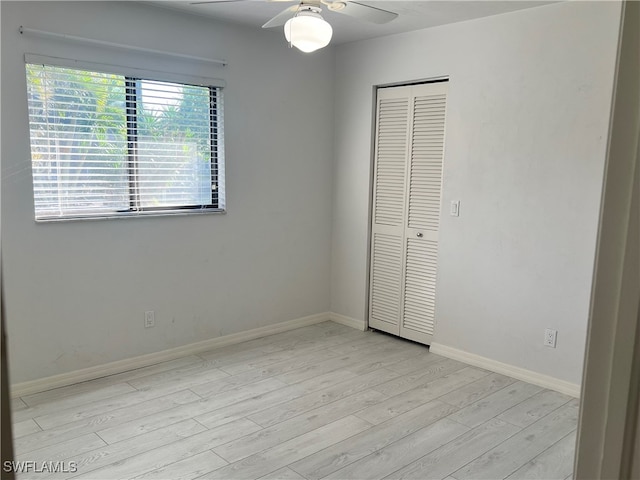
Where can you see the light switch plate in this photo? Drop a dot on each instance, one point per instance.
(455, 208)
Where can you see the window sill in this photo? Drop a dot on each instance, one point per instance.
(143, 214)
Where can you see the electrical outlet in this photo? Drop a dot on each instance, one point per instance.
(149, 319)
(550, 338)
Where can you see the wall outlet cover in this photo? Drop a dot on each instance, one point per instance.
(149, 319)
(550, 338)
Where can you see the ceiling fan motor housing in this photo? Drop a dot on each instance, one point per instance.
(334, 6)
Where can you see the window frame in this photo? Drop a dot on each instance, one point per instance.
(132, 76)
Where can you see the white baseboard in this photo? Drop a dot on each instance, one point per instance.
(112, 368)
(523, 374)
(348, 321)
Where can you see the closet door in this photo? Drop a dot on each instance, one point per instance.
(409, 149)
(389, 204)
(423, 203)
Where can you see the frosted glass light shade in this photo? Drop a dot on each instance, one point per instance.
(308, 31)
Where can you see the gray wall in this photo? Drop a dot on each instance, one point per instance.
(526, 136)
(76, 292)
(528, 115)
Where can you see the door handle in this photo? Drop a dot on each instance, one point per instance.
(419, 235)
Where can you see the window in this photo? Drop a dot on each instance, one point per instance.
(112, 145)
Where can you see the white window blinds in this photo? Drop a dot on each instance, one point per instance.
(109, 145)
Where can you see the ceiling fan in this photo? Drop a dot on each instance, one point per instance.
(304, 27)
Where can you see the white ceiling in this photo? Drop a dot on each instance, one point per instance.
(413, 15)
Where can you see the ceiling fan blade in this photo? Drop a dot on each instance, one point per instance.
(281, 18)
(205, 2)
(217, 1)
(365, 12)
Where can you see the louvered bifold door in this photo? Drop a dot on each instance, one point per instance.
(389, 204)
(423, 204)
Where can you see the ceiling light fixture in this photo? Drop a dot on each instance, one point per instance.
(307, 30)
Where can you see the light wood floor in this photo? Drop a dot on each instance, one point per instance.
(324, 401)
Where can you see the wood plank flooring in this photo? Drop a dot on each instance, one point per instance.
(318, 402)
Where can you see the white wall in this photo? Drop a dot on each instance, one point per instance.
(528, 113)
(76, 291)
